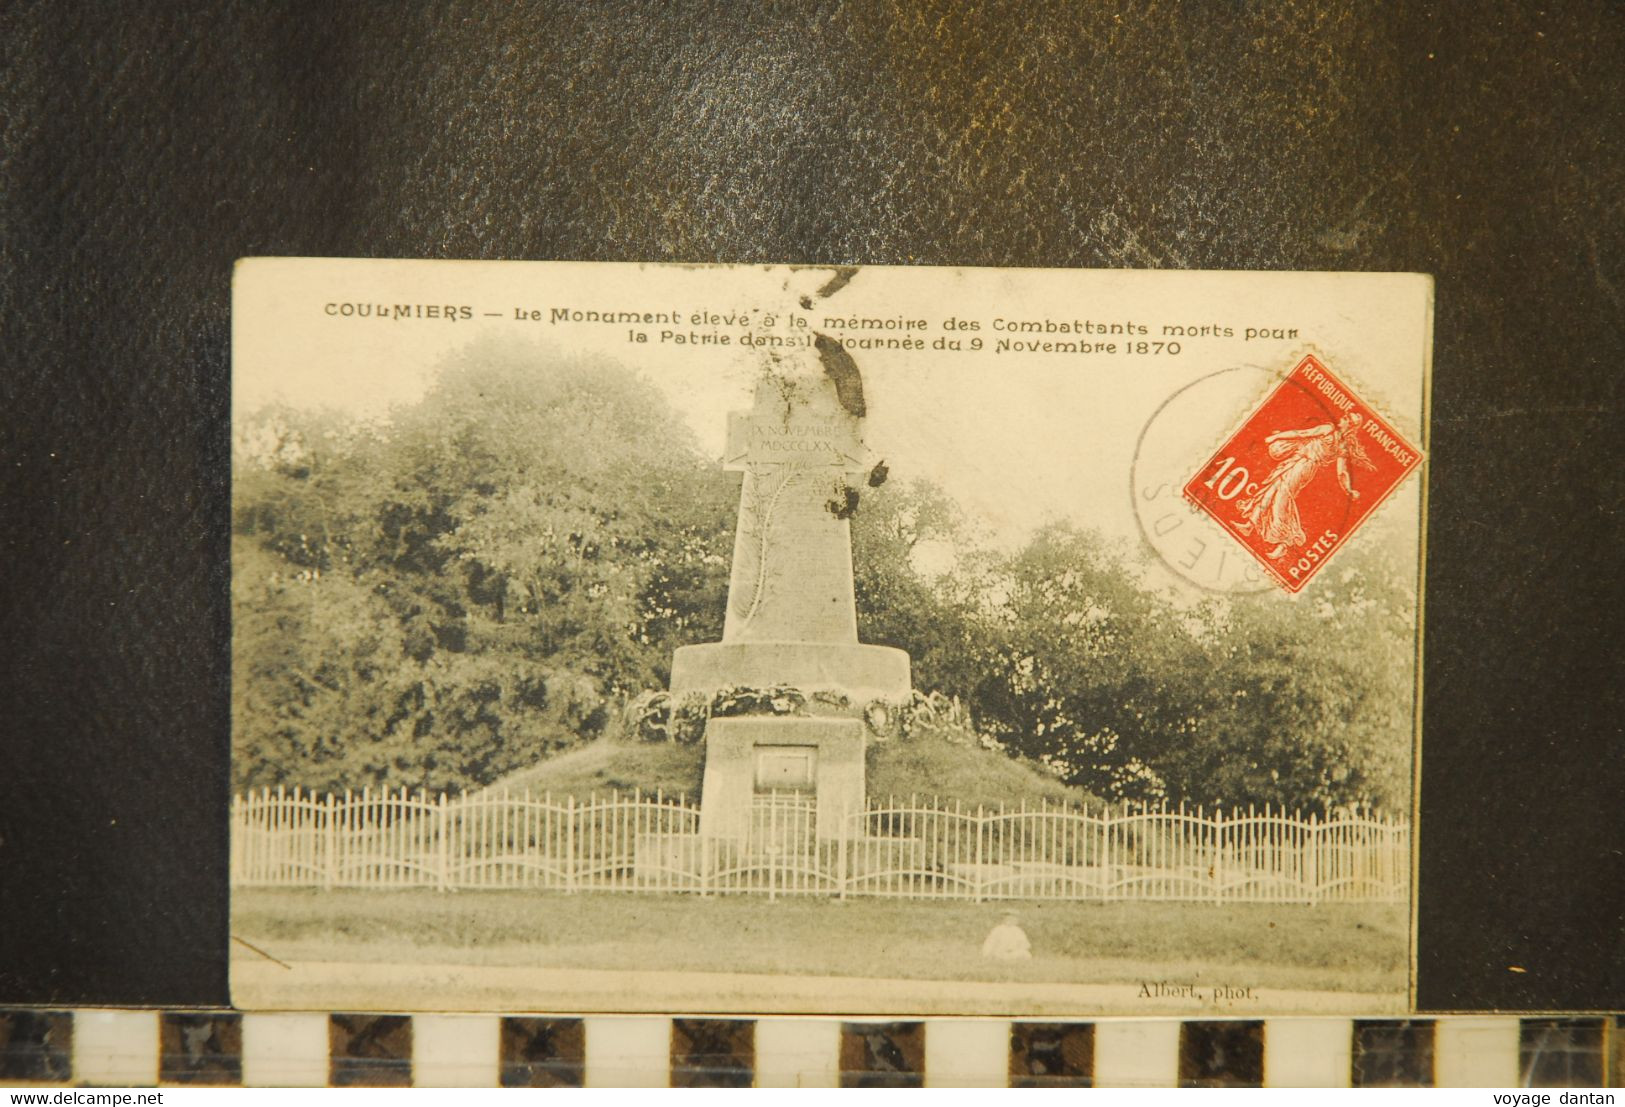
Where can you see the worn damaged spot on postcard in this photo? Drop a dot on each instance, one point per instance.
(872, 642)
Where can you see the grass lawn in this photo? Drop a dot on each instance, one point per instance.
(1331, 947)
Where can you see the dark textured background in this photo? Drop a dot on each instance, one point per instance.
(144, 152)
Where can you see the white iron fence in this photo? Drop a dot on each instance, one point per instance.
(918, 848)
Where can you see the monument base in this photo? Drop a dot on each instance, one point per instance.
(749, 755)
(863, 673)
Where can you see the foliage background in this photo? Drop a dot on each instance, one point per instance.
(487, 577)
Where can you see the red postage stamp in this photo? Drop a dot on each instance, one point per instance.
(1302, 473)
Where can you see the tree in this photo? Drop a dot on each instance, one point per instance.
(1089, 673)
(444, 598)
(1309, 701)
(936, 620)
(1301, 703)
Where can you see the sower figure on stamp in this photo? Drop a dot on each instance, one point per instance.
(1273, 510)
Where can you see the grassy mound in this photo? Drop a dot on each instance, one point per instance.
(928, 764)
(925, 764)
(608, 766)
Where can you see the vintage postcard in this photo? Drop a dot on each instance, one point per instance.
(772, 639)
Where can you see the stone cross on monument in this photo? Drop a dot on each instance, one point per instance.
(791, 618)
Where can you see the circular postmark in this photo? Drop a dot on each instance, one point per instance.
(1173, 442)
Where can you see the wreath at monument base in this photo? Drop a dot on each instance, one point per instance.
(655, 717)
(779, 699)
(688, 719)
(647, 717)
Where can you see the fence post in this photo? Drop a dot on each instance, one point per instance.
(1401, 862)
(570, 845)
(329, 847)
(840, 847)
(977, 867)
(770, 847)
(1311, 861)
(1218, 854)
(708, 856)
(443, 853)
(1107, 873)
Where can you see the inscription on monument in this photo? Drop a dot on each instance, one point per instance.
(769, 438)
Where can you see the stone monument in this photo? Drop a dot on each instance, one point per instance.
(791, 618)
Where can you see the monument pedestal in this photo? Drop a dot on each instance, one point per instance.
(862, 673)
(749, 755)
(791, 622)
